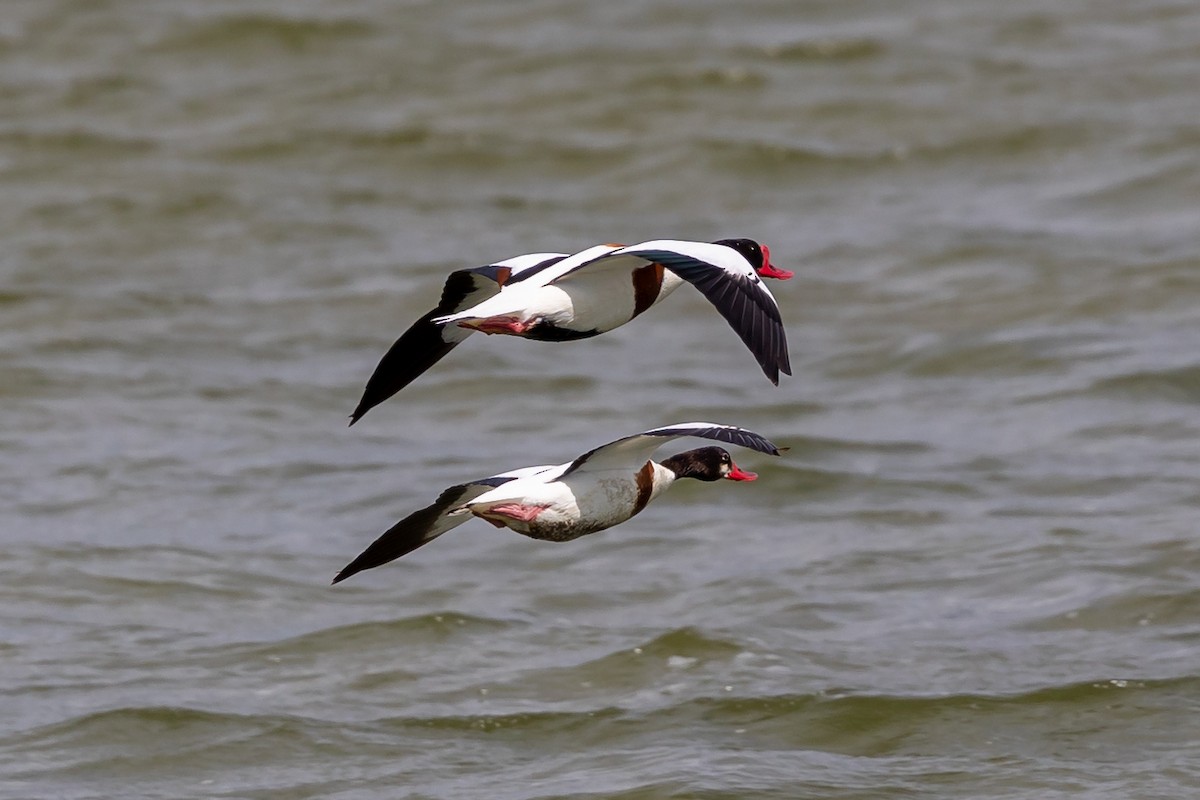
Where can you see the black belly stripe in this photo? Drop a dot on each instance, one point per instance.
(647, 281)
(645, 486)
(542, 332)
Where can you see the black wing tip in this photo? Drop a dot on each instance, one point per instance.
(771, 370)
(753, 441)
(766, 446)
(364, 405)
(409, 357)
(730, 434)
(754, 317)
(350, 570)
(360, 564)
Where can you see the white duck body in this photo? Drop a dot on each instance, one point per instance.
(604, 287)
(557, 298)
(557, 509)
(601, 488)
(595, 300)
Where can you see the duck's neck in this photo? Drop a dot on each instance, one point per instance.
(680, 466)
(652, 480)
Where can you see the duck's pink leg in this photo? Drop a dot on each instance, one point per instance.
(511, 326)
(514, 511)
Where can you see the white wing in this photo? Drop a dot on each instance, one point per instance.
(519, 288)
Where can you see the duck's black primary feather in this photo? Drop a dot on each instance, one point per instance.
(418, 349)
(418, 528)
(426, 342)
(636, 448)
(421, 527)
(749, 310)
(720, 433)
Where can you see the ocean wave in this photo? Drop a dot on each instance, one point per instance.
(447, 146)
(990, 143)
(238, 32)
(1178, 385)
(77, 141)
(699, 79)
(752, 154)
(827, 48)
(876, 725)
(809, 480)
(154, 742)
(436, 627)
(834, 719)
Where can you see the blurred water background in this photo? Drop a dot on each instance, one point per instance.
(975, 574)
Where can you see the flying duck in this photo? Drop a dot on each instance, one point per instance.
(600, 489)
(556, 297)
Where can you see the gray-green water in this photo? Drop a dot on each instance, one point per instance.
(975, 575)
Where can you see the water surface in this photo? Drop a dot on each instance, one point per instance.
(974, 574)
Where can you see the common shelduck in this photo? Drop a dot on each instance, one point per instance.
(601, 488)
(559, 298)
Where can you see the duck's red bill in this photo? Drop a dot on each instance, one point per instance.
(739, 474)
(769, 270)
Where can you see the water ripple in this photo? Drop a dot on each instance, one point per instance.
(236, 33)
